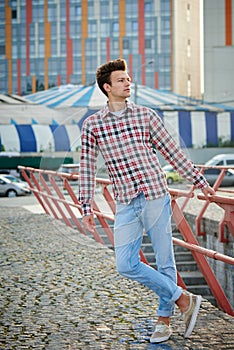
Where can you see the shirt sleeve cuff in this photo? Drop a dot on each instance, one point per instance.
(86, 209)
(201, 183)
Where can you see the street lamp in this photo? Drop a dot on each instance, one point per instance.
(136, 75)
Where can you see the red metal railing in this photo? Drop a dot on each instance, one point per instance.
(46, 186)
(224, 201)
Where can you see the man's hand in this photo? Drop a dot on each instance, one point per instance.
(89, 223)
(208, 190)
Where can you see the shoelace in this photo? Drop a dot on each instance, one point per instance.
(160, 328)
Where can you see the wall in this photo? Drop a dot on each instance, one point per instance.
(186, 48)
(218, 51)
(223, 272)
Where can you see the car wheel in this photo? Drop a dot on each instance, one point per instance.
(11, 193)
(170, 181)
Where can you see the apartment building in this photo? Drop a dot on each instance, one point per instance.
(183, 46)
(46, 43)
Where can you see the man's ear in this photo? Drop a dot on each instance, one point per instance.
(106, 87)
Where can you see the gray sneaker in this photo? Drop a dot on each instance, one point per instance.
(162, 333)
(190, 316)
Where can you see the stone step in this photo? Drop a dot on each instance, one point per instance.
(178, 248)
(191, 278)
(183, 256)
(189, 265)
(147, 248)
(199, 289)
(150, 258)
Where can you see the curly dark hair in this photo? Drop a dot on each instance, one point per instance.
(105, 70)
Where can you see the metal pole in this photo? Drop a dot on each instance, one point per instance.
(135, 92)
(136, 76)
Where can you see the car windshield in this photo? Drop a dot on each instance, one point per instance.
(212, 161)
(6, 181)
(167, 168)
(12, 178)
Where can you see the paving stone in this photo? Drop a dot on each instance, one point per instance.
(60, 291)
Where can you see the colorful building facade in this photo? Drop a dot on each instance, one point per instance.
(45, 43)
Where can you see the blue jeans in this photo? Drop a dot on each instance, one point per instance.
(155, 218)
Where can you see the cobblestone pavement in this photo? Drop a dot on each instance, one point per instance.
(60, 290)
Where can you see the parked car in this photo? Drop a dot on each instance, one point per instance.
(171, 175)
(10, 186)
(211, 176)
(220, 160)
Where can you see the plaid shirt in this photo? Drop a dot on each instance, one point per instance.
(126, 144)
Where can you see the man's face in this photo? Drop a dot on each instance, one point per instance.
(120, 87)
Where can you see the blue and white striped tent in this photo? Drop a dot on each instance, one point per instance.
(27, 127)
(92, 98)
(192, 123)
(40, 138)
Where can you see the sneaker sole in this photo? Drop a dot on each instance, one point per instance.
(194, 317)
(159, 340)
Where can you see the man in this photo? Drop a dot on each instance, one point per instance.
(127, 136)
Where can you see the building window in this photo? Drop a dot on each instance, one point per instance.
(53, 47)
(91, 45)
(78, 11)
(91, 10)
(41, 49)
(134, 43)
(189, 86)
(116, 9)
(105, 10)
(131, 8)
(165, 7)
(105, 29)
(134, 26)
(166, 25)
(148, 44)
(125, 44)
(148, 7)
(115, 44)
(188, 48)
(166, 44)
(92, 28)
(115, 27)
(52, 13)
(188, 13)
(103, 44)
(14, 14)
(32, 49)
(149, 25)
(2, 49)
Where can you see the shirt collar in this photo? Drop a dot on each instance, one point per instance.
(105, 111)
